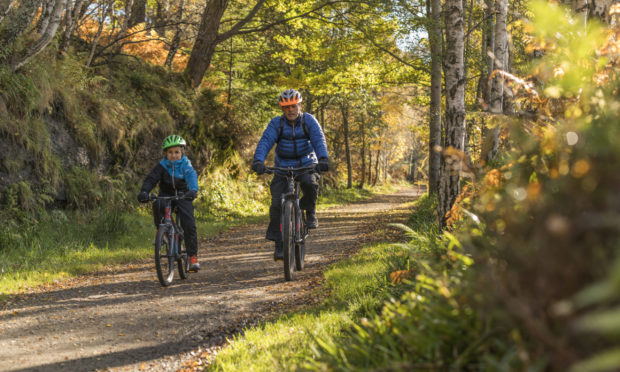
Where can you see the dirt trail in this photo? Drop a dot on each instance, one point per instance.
(125, 321)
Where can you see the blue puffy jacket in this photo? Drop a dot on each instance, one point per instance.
(293, 150)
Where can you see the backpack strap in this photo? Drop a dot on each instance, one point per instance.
(280, 130)
(303, 126)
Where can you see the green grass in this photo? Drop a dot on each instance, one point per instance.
(332, 197)
(356, 287)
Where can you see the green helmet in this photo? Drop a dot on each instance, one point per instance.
(172, 141)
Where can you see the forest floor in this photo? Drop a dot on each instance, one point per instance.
(121, 319)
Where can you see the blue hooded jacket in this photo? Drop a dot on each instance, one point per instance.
(172, 176)
(294, 149)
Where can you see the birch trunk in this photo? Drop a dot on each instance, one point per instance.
(496, 98)
(19, 19)
(93, 48)
(72, 16)
(46, 37)
(138, 13)
(5, 8)
(449, 187)
(176, 40)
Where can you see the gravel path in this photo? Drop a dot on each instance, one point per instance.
(123, 320)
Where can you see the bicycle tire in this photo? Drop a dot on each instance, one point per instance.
(288, 240)
(182, 261)
(164, 262)
(300, 256)
(300, 248)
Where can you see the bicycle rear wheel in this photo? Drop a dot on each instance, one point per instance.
(164, 260)
(182, 261)
(288, 239)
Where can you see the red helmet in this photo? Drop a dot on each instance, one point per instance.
(289, 97)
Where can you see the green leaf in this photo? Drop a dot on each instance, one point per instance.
(606, 321)
(608, 360)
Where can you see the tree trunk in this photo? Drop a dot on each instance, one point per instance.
(206, 41)
(104, 11)
(490, 45)
(72, 17)
(374, 181)
(176, 40)
(363, 153)
(434, 144)
(496, 98)
(47, 6)
(18, 21)
(5, 8)
(412, 167)
(345, 125)
(369, 179)
(128, 10)
(449, 187)
(138, 13)
(161, 17)
(46, 37)
(208, 38)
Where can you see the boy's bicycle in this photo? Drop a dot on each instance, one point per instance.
(293, 221)
(169, 245)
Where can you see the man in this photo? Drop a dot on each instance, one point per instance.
(300, 142)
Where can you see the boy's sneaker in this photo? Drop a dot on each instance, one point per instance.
(193, 264)
(278, 254)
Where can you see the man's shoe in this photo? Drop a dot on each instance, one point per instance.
(193, 264)
(311, 220)
(278, 254)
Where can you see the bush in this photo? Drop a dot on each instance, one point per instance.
(431, 326)
(549, 217)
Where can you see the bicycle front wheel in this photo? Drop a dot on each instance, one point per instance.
(288, 239)
(182, 261)
(164, 260)
(300, 255)
(300, 248)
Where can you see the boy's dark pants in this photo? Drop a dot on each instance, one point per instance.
(309, 183)
(188, 223)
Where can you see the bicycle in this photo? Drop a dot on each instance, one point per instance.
(293, 221)
(169, 245)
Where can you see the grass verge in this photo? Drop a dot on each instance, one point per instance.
(356, 286)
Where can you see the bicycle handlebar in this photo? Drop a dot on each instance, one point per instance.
(154, 197)
(285, 171)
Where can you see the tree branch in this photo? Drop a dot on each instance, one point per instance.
(285, 20)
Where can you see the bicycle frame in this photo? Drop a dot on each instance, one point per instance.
(292, 193)
(172, 226)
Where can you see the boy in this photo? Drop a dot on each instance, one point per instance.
(175, 175)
